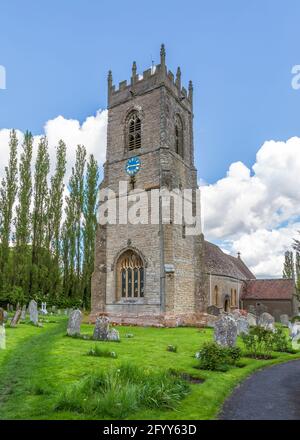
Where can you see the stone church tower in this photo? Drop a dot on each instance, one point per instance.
(149, 273)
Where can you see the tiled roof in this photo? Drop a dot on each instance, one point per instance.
(269, 289)
(219, 263)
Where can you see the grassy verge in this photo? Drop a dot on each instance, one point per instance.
(40, 364)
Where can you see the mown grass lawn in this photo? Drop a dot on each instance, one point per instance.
(39, 363)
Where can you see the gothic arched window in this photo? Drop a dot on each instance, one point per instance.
(178, 136)
(133, 131)
(130, 275)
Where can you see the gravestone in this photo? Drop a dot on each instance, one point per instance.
(33, 312)
(101, 328)
(44, 308)
(15, 320)
(266, 321)
(295, 334)
(5, 314)
(213, 310)
(242, 325)
(2, 337)
(225, 331)
(102, 332)
(1, 316)
(23, 313)
(252, 321)
(284, 319)
(113, 335)
(74, 323)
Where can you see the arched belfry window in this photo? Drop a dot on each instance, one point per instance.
(178, 136)
(134, 131)
(130, 275)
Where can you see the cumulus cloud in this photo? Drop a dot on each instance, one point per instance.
(257, 211)
(91, 133)
(254, 211)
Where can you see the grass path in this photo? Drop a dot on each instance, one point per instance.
(40, 362)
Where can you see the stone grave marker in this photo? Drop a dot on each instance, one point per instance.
(225, 333)
(266, 321)
(74, 323)
(284, 319)
(15, 320)
(33, 312)
(102, 331)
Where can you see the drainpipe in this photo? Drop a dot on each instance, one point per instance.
(162, 259)
(210, 298)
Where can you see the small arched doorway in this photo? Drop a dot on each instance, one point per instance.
(130, 275)
(227, 304)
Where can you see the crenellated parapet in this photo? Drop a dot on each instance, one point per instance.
(150, 79)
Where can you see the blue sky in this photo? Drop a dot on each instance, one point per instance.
(239, 55)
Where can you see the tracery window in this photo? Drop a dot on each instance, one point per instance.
(134, 131)
(130, 275)
(178, 136)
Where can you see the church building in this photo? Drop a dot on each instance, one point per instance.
(155, 273)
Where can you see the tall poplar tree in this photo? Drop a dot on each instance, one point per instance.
(22, 261)
(72, 231)
(8, 193)
(38, 275)
(289, 268)
(54, 220)
(90, 224)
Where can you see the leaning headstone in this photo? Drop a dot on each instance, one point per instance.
(225, 331)
(74, 323)
(242, 325)
(15, 320)
(33, 312)
(213, 310)
(251, 319)
(101, 328)
(23, 313)
(266, 321)
(1, 316)
(284, 319)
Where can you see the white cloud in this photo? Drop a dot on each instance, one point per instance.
(247, 208)
(91, 133)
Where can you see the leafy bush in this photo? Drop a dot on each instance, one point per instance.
(101, 352)
(281, 341)
(118, 393)
(217, 358)
(259, 342)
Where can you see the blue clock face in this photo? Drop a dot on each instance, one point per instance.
(133, 165)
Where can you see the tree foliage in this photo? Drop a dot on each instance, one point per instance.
(47, 239)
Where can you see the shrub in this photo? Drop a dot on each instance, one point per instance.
(101, 352)
(172, 348)
(281, 342)
(258, 342)
(217, 358)
(295, 319)
(117, 393)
